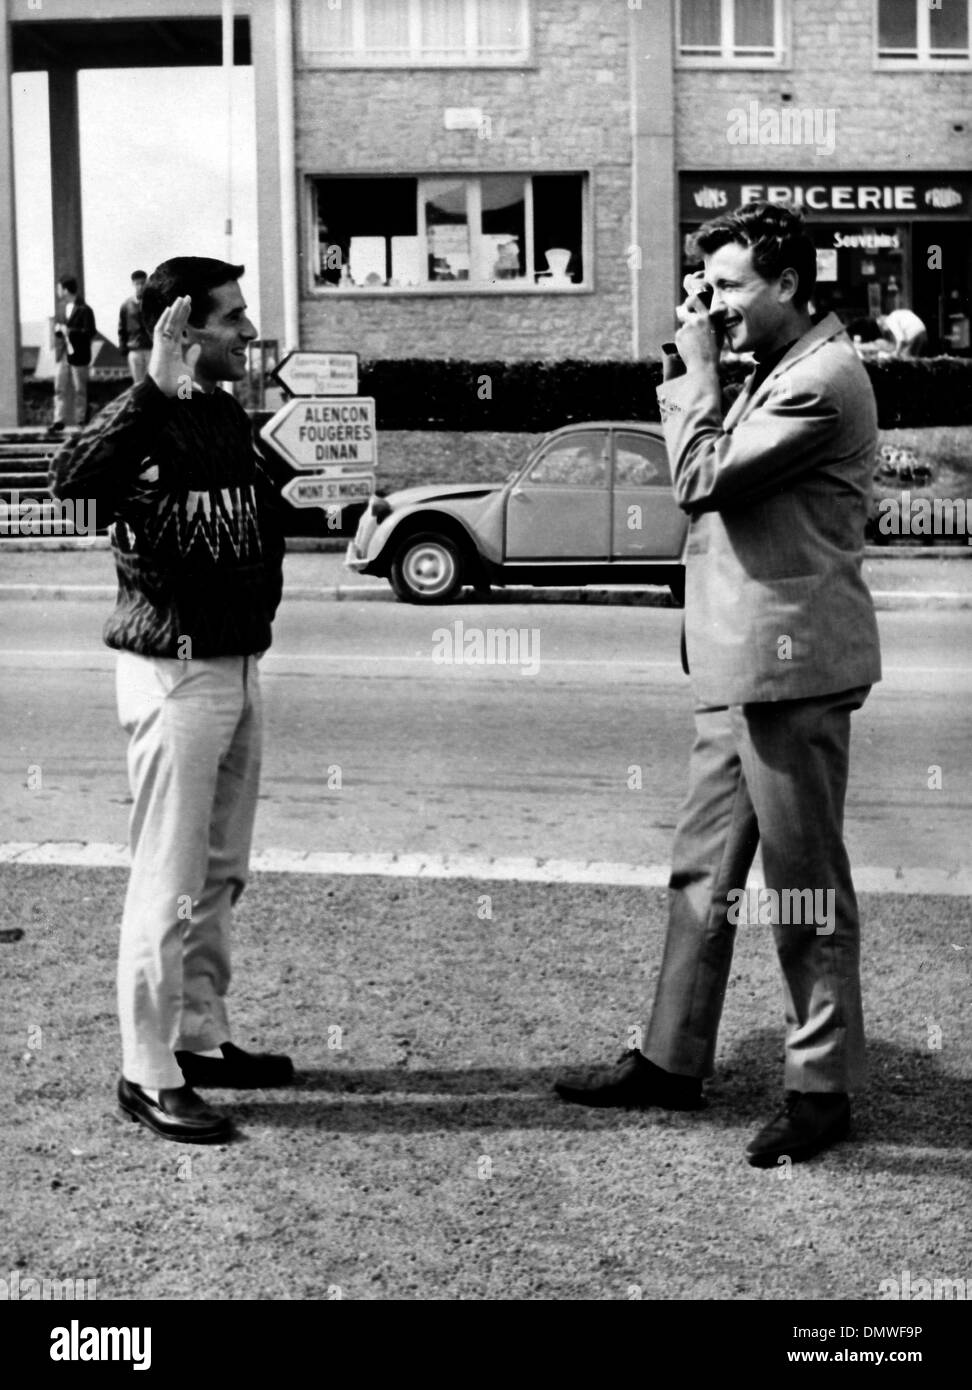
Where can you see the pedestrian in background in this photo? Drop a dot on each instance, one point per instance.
(74, 330)
(134, 339)
(906, 331)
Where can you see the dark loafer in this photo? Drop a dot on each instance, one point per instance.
(243, 1071)
(178, 1114)
(809, 1122)
(637, 1083)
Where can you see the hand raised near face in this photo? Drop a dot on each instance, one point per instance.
(173, 356)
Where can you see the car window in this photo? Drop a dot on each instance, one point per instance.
(640, 460)
(579, 461)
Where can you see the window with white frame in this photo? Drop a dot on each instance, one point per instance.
(432, 33)
(745, 33)
(454, 231)
(915, 32)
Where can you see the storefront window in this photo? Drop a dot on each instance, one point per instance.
(467, 231)
(861, 269)
(884, 241)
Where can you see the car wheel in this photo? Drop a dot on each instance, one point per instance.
(427, 568)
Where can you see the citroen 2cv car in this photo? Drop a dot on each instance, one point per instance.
(592, 504)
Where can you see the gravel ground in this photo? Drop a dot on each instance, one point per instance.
(423, 1154)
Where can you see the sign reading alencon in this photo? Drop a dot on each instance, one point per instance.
(312, 431)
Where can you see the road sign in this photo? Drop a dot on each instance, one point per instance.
(319, 373)
(311, 433)
(328, 492)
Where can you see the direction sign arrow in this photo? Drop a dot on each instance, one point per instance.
(311, 433)
(328, 492)
(319, 373)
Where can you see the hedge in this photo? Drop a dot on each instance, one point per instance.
(449, 394)
(536, 396)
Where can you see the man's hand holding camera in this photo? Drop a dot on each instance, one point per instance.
(699, 339)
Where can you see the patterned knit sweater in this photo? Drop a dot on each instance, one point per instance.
(195, 521)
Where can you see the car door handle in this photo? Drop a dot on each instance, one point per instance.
(520, 495)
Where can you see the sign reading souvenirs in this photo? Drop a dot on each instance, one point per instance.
(333, 437)
(319, 373)
(938, 194)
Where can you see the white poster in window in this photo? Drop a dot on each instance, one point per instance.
(406, 261)
(366, 260)
(826, 266)
(449, 247)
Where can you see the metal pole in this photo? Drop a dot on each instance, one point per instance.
(228, 60)
(284, 47)
(11, 393)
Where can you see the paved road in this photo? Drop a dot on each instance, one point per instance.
(528, 759)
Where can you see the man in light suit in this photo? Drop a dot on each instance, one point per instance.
(782, 646)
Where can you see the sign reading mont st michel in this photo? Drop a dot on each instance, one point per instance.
(704, 195)
(331, 436)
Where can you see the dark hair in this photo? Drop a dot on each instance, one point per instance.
(195, 276)
(777, 235)
(69, 283)
(139, 275)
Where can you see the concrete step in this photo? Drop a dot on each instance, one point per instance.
(33, 483)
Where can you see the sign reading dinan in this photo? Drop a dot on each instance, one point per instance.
(312, 432)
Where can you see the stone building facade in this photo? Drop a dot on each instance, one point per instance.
(564, 111)
(645, 104)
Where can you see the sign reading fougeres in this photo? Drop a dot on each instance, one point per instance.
(311, 432)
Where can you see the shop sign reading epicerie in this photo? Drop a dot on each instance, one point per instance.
(937, 194)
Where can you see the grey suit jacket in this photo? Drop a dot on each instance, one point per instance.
(776, 607)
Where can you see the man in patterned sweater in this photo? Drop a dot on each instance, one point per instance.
(198, 549)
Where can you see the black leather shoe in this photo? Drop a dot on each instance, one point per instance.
(178, 1114)
(56, 428)
(809, 1122)
(638, 1083)
(243, 1071)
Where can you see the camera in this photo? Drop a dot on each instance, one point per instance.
(704, 296)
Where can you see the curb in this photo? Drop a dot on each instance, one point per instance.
(296, 545)
(885, 600)
(337, 545)
(82, 854)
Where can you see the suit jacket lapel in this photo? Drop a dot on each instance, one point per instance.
(827, 328)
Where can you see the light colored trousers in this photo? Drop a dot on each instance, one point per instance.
(138, 362)
(70, 393)
(774, 773)
(194, 771)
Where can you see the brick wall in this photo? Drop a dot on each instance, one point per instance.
(568, 113)
(885, 120)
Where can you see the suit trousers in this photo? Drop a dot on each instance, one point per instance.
(194, 770)
(70, 393)
(776, 774)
